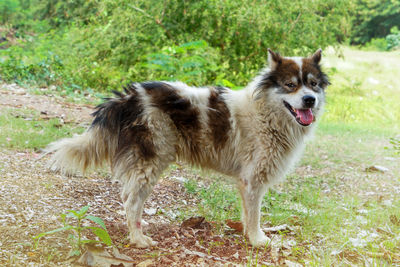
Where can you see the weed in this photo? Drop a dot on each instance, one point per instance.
(396, 145)
(191, 186)
(77, 229)
(219, 202)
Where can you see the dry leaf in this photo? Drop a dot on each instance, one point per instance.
(237, 225)
(193, 222)
(145, 263)
(99, 257)
(395, 220)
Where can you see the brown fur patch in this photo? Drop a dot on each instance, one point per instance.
(218, 118)
(136, 136)
(285, 70)
(183, 114)
(122, 117)
(310, 66)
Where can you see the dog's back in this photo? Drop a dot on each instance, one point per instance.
(152, 121)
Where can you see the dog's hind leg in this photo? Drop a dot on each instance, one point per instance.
(137, 187)
(252, 195)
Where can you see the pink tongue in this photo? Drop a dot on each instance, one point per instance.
(305, 115)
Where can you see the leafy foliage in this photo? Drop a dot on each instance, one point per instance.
(217, 201)
(390, 42)
(393, 39)
(8, 10)
(102, 44)
(396, 144)
(75, 239)
(374, 19)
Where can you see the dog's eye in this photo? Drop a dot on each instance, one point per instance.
(313, 83)
(290, 85)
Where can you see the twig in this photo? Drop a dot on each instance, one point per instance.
(294, 23)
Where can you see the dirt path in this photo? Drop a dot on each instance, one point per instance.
(14, 96)
(31, 199)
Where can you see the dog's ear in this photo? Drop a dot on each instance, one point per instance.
(274, 59)
(316, 57)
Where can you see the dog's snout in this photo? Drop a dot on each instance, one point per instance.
(308, 101)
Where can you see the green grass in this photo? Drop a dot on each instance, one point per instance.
(25, 129)
(364, 88)
(219, 201)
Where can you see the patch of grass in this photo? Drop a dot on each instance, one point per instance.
(24, 129)
(364, 88)
(219, 201)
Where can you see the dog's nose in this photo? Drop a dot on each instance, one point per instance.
(308, 101)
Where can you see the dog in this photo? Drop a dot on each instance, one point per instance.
(254, 135)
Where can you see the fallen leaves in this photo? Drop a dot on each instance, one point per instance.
(395, 219)
(196, 223)
(236, 225)
(100, 257)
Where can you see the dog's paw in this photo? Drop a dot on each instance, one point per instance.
(259, 239)
(142, 241)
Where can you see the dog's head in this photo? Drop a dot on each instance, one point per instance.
(295, 84)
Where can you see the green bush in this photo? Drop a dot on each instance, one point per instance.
(393, 39)
(240, 31)
(390, 42)
(102, 44)
(379, 44)
(8, 10)
(374, 19)
(47, 69)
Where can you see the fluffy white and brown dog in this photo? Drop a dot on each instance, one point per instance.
(253, 135)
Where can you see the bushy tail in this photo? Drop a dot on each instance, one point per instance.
(100, 142)
(81, 152)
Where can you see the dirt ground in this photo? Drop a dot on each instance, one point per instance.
(32, 197)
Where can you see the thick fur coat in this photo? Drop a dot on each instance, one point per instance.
(254, 135)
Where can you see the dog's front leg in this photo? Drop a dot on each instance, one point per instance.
(252, 194)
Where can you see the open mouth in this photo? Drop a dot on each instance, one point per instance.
(303, 116)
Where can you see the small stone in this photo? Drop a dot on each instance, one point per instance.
(150, 211)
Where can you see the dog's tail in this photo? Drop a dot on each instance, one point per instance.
(98, 144)
(109, 135)
(81, 152)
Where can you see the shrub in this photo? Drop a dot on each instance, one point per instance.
(374, 19)
(8, 10)
(102, 44)
(78, 228)
(379, 44)
(393, 39)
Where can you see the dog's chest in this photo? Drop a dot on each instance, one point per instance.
(277, 152)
